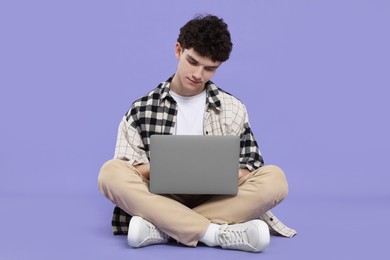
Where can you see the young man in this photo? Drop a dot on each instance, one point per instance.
(189, 103)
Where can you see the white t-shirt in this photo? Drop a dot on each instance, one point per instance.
(190, 111)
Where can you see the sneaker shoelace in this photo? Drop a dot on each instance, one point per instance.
(155, 234)
(231, 237)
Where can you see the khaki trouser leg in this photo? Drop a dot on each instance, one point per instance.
(258, 192)
(124, 186)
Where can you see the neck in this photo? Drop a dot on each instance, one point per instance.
(177, 87)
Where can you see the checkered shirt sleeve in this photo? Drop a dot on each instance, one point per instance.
(228, 116)
(129, 146)
(152, 114)
(276, 226)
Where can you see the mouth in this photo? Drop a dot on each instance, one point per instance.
(193, 81)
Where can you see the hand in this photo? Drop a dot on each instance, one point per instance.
(143, 169)
(242, 173)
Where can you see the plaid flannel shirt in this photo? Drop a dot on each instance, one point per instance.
(156, 113)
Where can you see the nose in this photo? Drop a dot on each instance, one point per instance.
(197, 73)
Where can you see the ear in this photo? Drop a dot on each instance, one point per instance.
(178, 50)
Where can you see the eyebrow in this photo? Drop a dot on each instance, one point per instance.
(194, 60)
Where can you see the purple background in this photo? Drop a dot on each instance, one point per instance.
(313, 74)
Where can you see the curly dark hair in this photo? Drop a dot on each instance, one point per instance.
(208, 35)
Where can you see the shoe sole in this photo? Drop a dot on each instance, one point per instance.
(264, 233)
(133, 231)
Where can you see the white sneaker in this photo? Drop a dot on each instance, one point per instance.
(250, 236)
(143, 233)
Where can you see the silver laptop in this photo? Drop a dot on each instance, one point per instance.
(194, 164)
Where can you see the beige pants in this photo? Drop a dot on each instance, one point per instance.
(186, 217)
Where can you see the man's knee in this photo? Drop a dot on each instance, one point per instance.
(107, 175)
(277, 179)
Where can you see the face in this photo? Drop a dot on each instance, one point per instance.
(193, 71)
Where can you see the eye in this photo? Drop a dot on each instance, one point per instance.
(192, 62)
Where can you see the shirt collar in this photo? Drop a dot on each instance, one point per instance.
(212, 92)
